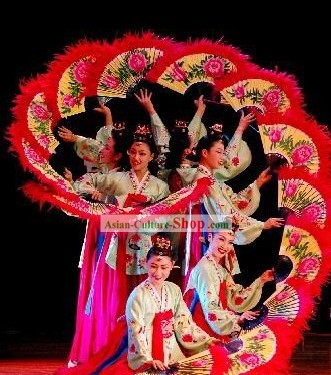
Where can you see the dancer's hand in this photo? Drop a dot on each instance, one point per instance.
(213, 341)
(68, 175)
(158, 365)
(144, 98)
(248, 315)
(96, 195)
(244, 122)
(66, 134)
(273, 222)
(201, 106)
(106, 112)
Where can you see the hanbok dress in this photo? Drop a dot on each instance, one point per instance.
(157, 327)
(220, 299)
(220, 202)
(113, 263)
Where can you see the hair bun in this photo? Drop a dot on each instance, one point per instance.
(162, 245)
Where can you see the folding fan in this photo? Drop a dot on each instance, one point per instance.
(200, 61)
(56, 189)
(303, 250)
(258, 347)
(194, 68)
(200, 364)
(71, 88)
(209, 361)
(291, 144)
(73, 207)
(125, 71)
(255, 92)
(65, 83)
(301, 198)
(41, 168)
(86, 209)
(40, 123)
(34, 120)
(283, 303)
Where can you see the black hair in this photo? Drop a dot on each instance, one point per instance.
(152, 165)
(179, 141)
(120, 147)
(205, 143)
(145, 138)
(156, 250)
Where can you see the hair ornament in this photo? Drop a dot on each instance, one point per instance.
(216, 130)
(142, 133)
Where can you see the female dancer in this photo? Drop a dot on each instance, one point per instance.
(122, 256)
(221, 200)
(221, 300)
(160, 330)
(112, 158)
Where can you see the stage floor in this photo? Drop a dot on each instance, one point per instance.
(311, 357)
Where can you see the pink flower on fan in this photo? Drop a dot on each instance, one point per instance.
(137, 62)
(291, 189)
(62, 183)
(200, 363)
(80, 71)
(111, 81)
(302, 154)
(261, 336)
(239, 91)
(307, 265)
(312, 212)
(68, 101)
(250, 359)
(294, 238)
(214, 67)
(43, 140)
(82, 205)
(32, 155)
(275, 135)
(41, 112)
(272, 98)
(178, 74)
(282, 295)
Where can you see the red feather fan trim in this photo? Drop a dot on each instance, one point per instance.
(200, 46)
(61, 62)
(284, 81)
(319, 134)
(29, 89)
(125, 44)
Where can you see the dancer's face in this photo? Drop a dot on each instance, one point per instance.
(107, 153)
(214, 157)
(159, 268)
(221, 244)
(140, 155)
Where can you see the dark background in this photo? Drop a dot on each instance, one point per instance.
(38, 260)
